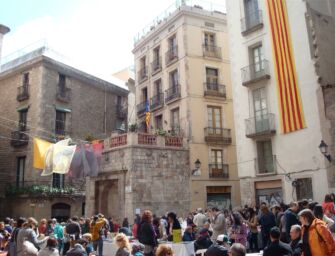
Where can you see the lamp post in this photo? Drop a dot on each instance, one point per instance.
(324, 150)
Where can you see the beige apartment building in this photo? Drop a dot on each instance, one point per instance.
(183, 75)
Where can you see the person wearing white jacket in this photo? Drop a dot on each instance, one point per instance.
(50, 249)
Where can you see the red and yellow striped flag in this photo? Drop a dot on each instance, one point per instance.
(292, 116)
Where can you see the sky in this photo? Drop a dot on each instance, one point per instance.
(96, 34)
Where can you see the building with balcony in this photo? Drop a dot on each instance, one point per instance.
(41, 96)
(279, 110)
(189, 94)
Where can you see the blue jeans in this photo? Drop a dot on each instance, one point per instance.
(98, 244)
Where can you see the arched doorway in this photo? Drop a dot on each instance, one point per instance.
(60, 211)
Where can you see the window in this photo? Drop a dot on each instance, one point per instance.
(142, 62)
(257, 58)
(172, 43)
(260, 110)
(23, 119)
(61, 82)
(174, 79)
(58, 180)
(159, 122)
(172, 52)
(212, 78)
(60, 122)
(216, 157)
(20, 168)
(304, 188)
(158, 87)
(156, 57)
(209, 39)
(214, 120)
(175, 120)
(25, 80)
(251, 12)
(265, 159)
(119, 100)
(144, 94)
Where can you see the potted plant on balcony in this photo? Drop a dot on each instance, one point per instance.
(133, 128)
(161, 132)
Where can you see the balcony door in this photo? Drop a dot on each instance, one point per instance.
(175, 121)
(60, 122)
(174, 81)
(257, 60)
(214, 121)
(212, 78)
(209, 41)
(217, 158)
(265, 157)
(260, 110)
(158, 88)
(251, 12)
(23, 119)
(20, 170)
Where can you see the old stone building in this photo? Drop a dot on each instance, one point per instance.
(140, 172)
(183, 75)
(42, 97)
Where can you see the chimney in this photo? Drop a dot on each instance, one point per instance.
(3, 30)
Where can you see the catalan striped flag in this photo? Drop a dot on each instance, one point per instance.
(147, 114)
(292, 115)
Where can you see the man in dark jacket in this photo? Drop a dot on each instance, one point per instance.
(78, 249)
(217, 249)
(203, 241)
(276, 247)
(296, 242)
(291, 217)
(267, 221)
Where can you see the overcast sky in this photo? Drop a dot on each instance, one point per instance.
(98, 34)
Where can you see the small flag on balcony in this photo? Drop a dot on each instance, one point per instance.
(292, 114)
(147, 114)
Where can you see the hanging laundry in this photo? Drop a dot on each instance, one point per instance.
(40, 149)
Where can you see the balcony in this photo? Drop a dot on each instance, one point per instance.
(266, 165)
(45, 189)
(255, 72)
(142, 74)
(171, 55)
(251, 22)
(22, 93)
(260, 126)
(121, 112)
(218, 136)
(156, 66)
(218, 171)
(215, 90)
(172, 94)
(141, 108)
(64, 94)
(157, 101)
(211, 51)
(19, 138)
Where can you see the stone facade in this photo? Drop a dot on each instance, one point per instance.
(89, 105)
(139, 175)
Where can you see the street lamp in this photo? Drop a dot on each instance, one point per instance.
(324, 150)
(197, 165)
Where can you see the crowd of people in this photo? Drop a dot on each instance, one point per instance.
(301, 228)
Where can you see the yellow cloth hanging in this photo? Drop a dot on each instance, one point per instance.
(40, 149)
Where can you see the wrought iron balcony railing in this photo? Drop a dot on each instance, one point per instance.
(171, 55)
(142, 74)
(215, 90)
(259, 126)
(22, 92)
(141, 108)
(19, 138)
(255, 72)
(157, 101)
(156, 65)
(173, 93)
(212, 51)
(220, 136)
(251, 22)
(218, 171)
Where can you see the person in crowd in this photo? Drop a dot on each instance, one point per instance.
(189, 234)
(123, 245)
(96, 231)
(316, 237)
(253, 231)
(237, 250)
(217, 249)
(146, 234)
(5, 237)
(58, 233)
(84, 225)
(291, 218)
(189, 219)
(116, 226)
(27, 233)
(13, 238)
(276, 247)
(156, 224)
(164, 250)
(79, 249)
(200, 218)
(8, 225)
(137, 250)
(281, 224)
(328, 206)
(267, 221)
(239, 231)
(125, 223)
(111, 224)
(137, 222)
(218, 223)
(162, 228)
(50, 249)
(42, 227)
(318, 212)
(203, 240)
(296, 242)
(207, 226)
(72, 233)
(173, 224)
(50, 228)
(89, 247)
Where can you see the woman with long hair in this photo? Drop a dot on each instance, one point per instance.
(253, 231)
(146, 234)
(173, 224)
(239, 230)
(328, 206)
(123, 243)
(164, 250)
(316, 237)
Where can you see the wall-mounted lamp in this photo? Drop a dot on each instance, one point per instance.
(324, 150)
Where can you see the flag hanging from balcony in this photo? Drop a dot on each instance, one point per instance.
(147, 114)
(40, 149)
(292, 115)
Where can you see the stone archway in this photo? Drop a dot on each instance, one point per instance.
(61, 211)
(107, 199)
